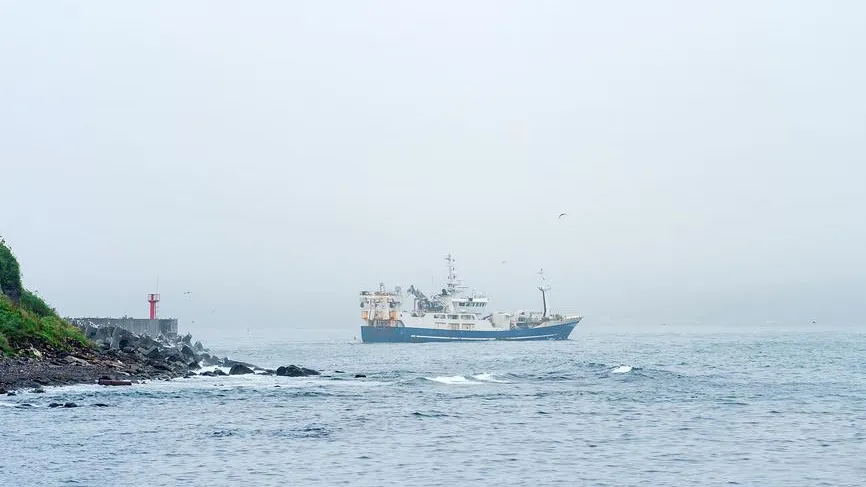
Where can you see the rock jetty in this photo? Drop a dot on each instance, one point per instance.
(120, 357)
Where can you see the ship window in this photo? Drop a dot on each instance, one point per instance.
(439, 316)
(467, 317)
(452, 317)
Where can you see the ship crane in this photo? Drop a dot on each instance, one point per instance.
(417, 293)
(420, 299)
(422, 302)
(544, 287)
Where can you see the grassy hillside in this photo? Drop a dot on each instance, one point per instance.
(25, 319)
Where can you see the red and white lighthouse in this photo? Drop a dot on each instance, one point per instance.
(153, 299)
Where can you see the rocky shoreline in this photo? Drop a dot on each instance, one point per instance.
(120, 357)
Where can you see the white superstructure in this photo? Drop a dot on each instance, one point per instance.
(451, 309)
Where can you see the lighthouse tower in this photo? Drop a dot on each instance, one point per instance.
(153, 299)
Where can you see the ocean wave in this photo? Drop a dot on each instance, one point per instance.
(622, 369)
(482, 378)
(453, 379)
(430, 414)
(485, 377)
(309, 431)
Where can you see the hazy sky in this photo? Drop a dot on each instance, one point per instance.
(274, 158)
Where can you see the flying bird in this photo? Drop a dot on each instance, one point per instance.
(561, 215)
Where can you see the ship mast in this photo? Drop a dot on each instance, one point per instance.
(452, 276)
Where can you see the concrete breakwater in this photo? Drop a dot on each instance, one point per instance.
(165, 326)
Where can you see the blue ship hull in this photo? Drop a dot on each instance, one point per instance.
(387, 334)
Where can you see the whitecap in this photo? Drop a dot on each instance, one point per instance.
(489, 378)
(454, 379)
(622, 369)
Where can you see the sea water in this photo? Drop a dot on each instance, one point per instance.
(655, 409)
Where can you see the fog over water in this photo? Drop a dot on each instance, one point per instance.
(265, 161)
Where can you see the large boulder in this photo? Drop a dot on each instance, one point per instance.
(227, 362)
(145, 341)
(159, 365)
(121, 339)
(295, 371)
(215, 373)
(90, 331)
(164, 341)
(73, 360)
(152, 352)
(104, 332)
(238, 369)
(187, 352)
(172, 355)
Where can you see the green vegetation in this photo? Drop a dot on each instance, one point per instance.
(10, 276)
(25, 319)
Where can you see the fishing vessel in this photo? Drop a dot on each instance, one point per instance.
(454, 314)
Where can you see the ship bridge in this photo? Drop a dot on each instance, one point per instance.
(469, 304)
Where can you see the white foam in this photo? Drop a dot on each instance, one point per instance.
(213, 368)
(247, 381)
(454, 379)
(489, 378)
(622, 369)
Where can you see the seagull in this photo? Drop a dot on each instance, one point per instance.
(561, 215)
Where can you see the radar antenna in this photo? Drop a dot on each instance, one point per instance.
(454, 282)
